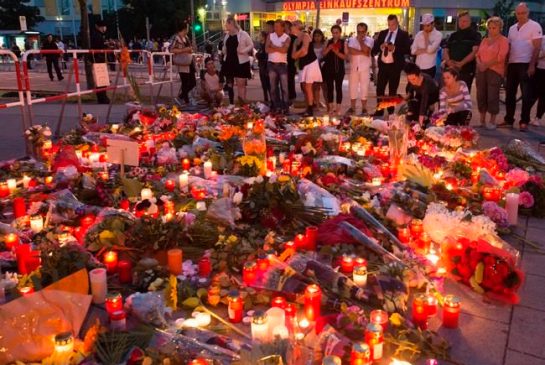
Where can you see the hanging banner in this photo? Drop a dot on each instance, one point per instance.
(345, 4)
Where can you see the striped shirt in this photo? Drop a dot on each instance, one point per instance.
(459, 101)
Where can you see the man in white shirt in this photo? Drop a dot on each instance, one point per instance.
(426, 44)
(276, 46)
(359, 49)
(525, 42)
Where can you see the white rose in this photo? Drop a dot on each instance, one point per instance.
(237, 198)
(259, 179)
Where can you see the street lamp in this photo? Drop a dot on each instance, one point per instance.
(59, 20)
(202, 15)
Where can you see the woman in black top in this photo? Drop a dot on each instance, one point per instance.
(333, 68)
(182, 45)
(262, 58)
(52, 59)
(422, 92)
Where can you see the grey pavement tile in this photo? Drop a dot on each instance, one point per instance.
(533, 263)
(536, 223)
(527, 332)
(532, 292)
(517, 358)
(477, 341)
(475, 304)
(536, 234)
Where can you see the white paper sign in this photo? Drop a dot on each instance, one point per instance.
(125, 152)
(101, 75)
(22, 23)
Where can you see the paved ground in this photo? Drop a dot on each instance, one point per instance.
(489, 334)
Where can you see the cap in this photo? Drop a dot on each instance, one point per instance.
(427, 19)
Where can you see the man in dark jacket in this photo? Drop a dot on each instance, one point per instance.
(99, 41)
(392, 45)
(52, 59)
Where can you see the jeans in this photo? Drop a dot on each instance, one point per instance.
(488, 91)
(292, 72)
(517, 74)
(337, 79)
(388, 74)
(278, 73)
(265, 83)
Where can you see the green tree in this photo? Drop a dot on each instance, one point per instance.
(11, 10)
(504, 9)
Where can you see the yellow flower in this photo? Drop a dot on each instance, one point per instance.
(283, 179)
(221, 238)
(396, 319)
(232, 239)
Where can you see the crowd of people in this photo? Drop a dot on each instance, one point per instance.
(434, 89)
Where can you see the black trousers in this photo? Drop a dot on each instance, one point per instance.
(414, 107)
(388, 75)
(334, 84)
(431, 71)
(467, 77)
(265, 82)
(459, 118)
(53, 62)
(292, 71)
(517, 75)
(188, 83)
(539, 89)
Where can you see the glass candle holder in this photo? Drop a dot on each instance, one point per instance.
(374, 338)
(361, 354)
(451, 311)
(249, 273)
(313, 302)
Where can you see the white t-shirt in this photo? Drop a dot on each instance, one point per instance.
(360, 62)
(521, 39)
(390, 57)
(277, 41)
(541, 61)
(212, 81)
(427, 60)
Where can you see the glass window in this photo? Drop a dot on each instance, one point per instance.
(64, 7)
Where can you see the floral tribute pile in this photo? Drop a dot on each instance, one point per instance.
(245, 238)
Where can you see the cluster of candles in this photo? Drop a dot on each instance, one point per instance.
(355, 266)
(425, 306)
(415, 236)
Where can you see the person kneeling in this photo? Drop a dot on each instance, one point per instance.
(454, 99)
(211, 84)
(422, 93)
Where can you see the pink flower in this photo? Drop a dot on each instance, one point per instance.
(497, 155)
(517, 177)
(526, 199)
(496, 213)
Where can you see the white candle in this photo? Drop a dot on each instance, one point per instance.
(201, 206)
(36, 223)
(94, 157)
(207, 169)
(146, 194)
(280, 331)
(359, 275)
(184, 182)
(191, 322)
(276, 317)
(377, 181)
(281, 157)
(12, 185)
(260, 327)
(115, 128)
(326, 120)
(512, 207)
(99, 285)
(26, 181)
(79, 154)
(250, 125)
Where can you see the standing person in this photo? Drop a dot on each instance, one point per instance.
(426, 44)
(525, 41)
(277, 45)
(422, 93)
(392, 46)
(461, 49)
(292, 69)
(318, 43)
(540, 86)
(359, 48)
(237, 47)
(454, 99)
(262, 59)
(64, 57)
(98, 41)
(52, 59)
(333, 69)
(308, 63)
(28, 47)
(491, 58)
(186, 69)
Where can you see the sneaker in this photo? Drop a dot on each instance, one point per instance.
(490, 126)
(536, 122)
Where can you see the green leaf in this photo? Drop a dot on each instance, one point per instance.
(107, 238)
(131, 187)
(191, 303)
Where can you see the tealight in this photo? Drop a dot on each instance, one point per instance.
(12, 185)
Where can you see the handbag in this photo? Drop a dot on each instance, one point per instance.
(181, 59)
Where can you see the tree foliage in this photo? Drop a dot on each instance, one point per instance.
(11, 10)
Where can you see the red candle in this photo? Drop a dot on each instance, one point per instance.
(279, 302)
(175, 261)
(300, 241)
(291, 312)
(491, 193)
(236, 306)
(385, 170)
(87, 221)
(313, 302)
(420, 315)
(262, 262)
(416, 227)
(361, 354)
(19, 207)
(423, 243)
(290, 245)
(311, 235)
(125, 271)
(404, 235)
(379, 317)
(374, 338)
(33, 261)
(22, 252)
(110, 260)
(79, 233)
(114, 302)
(124, 204)
(286, 167)
(27, 290)
(431, 305)
(249, 272)
(347, 264)
(205, 267)
(4, 190)
(186, 164)
(170, 185)
(360, 261)
(11, 240)
(198, 361)
(451, 311)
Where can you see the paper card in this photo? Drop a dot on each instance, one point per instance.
(123, 151)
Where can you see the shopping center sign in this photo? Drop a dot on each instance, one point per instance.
(345, 4)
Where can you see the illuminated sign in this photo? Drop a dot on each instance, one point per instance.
(345, 4)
